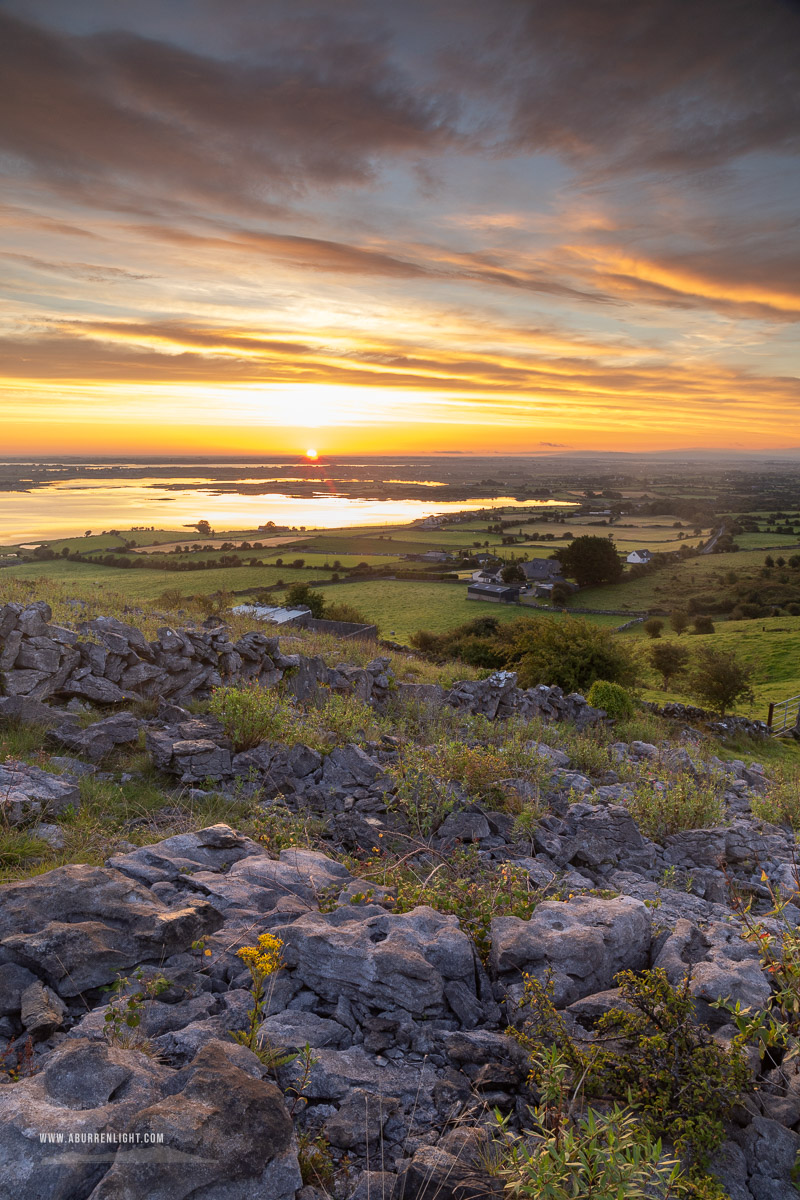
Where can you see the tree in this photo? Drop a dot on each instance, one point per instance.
(203, 528)
(719, 680)
(679, 621)
(591, 560)
(88, 533)
(300, 595)
(703, 624)
(512, 573)
(653, 627)
(569, 653)
(669, 659)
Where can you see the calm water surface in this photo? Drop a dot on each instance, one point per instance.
(67, 508)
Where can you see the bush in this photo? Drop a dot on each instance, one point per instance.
(681, 1081)
(703, 625)
(301, 596)
(346, 612)
(569, 653)
(616, 701)
(653, 627)
(719, 679)
(251, 715)
(660, 809)
(652, 1054)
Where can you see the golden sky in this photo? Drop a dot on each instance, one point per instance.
(244, 228)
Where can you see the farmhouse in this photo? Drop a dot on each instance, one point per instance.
(495, 593)
(486, 576)
(638, 558)
(542, 570)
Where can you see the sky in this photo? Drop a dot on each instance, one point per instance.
(246, 226)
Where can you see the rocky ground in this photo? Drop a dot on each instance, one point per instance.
(473, 836)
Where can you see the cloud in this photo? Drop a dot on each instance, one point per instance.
(658, 84)
(119, 110)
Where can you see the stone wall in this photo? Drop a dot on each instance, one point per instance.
(109, 662)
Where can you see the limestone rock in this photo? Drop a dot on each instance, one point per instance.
(78, 926)
(584, 943)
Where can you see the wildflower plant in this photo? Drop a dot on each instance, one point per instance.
(263, 961)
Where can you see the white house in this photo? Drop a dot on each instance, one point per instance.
(638, 558)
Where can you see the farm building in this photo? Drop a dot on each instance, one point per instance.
(495, 593)
(638, 558)
(542, 570)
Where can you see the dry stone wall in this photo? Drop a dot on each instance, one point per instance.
(106, 661)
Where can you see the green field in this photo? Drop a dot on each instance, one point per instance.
(671, 587)
(780, 543)
(770, 645)
(401, 607)
(147, 584)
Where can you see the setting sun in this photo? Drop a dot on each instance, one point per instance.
(311, 454)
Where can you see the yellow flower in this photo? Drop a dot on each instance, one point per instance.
(263, 959)
(764, 877)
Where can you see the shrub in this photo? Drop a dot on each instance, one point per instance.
(719, 680)
(653, 627)
(677, 1077)
(651, 1053)
(660, 809)
(345, 612)
(612, 697)
(703, 625)
(300, 595)
(569, 653)
(251, 715)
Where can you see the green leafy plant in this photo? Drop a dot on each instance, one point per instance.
(651, 1055)
(593, 1156)
(660, 808)
(612, 697)
(315, 1161)
(252, 714)
(462, 884)
(570, 653)
(719, 679)
(125, 1010)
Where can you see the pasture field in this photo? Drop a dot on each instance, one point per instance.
(770, 645)
(404, 606)
(147, 584)
(672, 587)
(781, 543)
